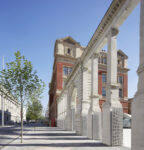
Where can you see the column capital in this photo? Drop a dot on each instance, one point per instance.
(112, 86)
(95, 55)
(113, 32)
(84, 68)
(94, 96)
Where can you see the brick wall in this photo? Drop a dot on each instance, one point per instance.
(60, 73)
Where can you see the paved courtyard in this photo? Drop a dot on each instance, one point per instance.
(38, 138)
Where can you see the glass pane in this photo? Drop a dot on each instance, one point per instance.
(103, 77)
(65, 70)
(103, 91)
(70, 69)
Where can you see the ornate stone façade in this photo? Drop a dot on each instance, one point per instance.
(82, 78)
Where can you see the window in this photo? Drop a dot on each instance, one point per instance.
(99, 60)
(104, 60)
(120, 93)
(118, 61)
(120, 79)
(67, 70)
(69, 51)
(70, 69)
(103, 91)
(104, 78)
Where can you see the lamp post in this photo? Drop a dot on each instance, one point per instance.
(2, 99)
(2, 108)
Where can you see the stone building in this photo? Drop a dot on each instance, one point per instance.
(78, 103)
(9, 106)
(66, 52)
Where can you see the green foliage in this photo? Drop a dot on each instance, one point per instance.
(34, 110)
(22, 82)
(34, 107)
(19, 78)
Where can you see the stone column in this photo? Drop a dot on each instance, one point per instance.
(138, 103)
(112, 115)
(96, 111)
(65, 110)
(68, 115)
(85, 101)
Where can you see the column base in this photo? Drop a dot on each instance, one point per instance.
(78, 124)
(138, 122)
(94, 126)
(68, 120)
(84, 125)
(73, 119)
(97, 126)
(112, 120)
(89, 125)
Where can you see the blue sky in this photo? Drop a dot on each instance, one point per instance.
(32, 26)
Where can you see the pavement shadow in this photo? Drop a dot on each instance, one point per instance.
(71, 138)
(51, 134)
(87, 144)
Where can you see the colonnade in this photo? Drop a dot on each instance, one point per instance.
(107, 125)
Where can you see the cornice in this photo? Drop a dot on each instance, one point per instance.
(107, 19)
(118, 11)
(7, 94)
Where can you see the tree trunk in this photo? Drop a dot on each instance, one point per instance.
(21, 121)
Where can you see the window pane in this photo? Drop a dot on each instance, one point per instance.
(65, 70)
(104, 60)
(70, 69)
(120, 79)
(120, 93)
(69, 51)
(103, 91)
(104, 77)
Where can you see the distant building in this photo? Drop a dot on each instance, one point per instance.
(66, 52)
(10, 106)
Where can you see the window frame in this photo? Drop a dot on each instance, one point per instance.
(104, 94)
(120, 81)
(104, 81)
(65, 67)
(69, 70)
(121, 95)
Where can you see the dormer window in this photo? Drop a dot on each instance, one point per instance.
(69, 51)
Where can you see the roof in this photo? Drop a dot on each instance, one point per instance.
(69, 40)
(120, 52)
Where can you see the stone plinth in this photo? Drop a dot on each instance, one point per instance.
(112, 124)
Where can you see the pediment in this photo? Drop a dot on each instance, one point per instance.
(69, 40)
(122, 54)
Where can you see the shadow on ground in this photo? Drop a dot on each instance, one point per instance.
(60, 145)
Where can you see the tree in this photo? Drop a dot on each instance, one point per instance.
(34, 110)
(21, 80)
(34, 106)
